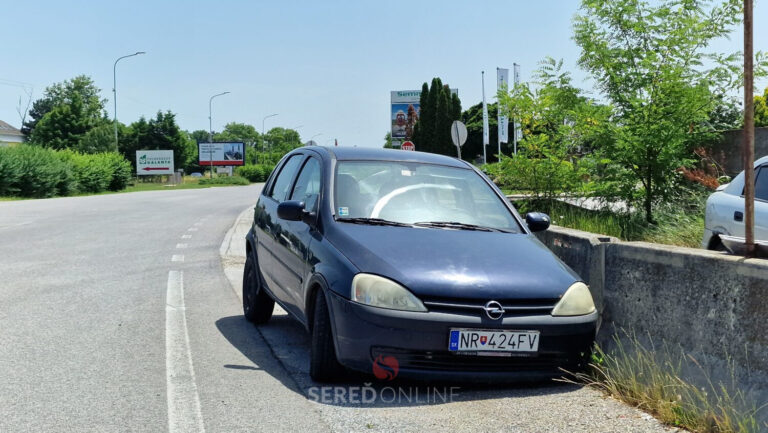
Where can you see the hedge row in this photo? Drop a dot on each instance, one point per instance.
(32, 171)
(255, 172)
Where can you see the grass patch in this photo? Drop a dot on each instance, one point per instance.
(680, 224)
(652, 381)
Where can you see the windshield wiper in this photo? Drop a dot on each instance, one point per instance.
(373, 222)
(458, 226)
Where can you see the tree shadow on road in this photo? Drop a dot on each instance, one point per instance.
(281, 349)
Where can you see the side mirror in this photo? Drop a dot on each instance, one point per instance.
(537, 221)
(293, 210)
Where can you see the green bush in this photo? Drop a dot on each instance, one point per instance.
(226, 180)
(32, 171)
(255, 172)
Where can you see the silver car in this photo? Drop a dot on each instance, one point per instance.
(725, 209)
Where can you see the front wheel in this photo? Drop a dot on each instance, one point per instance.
(257, 305)
(323, 364)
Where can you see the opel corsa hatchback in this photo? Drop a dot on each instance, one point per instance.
(386, 254)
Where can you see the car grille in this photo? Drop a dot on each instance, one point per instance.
(512, 307)
(447, 361)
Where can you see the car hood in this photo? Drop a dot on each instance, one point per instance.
(462, 264)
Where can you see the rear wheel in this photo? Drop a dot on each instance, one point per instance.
(257, 305)
(323, 364)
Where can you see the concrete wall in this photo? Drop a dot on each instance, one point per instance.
(728, 152)
(706, 302)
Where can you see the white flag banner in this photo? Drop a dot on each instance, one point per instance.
(502, 83)
(486, 130)
(518, 132)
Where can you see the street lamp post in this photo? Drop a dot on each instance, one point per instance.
(114, 90)
(210, 132)
(263, 142)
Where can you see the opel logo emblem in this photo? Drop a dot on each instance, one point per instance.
(493, 310)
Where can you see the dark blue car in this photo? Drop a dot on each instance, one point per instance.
(412, 257)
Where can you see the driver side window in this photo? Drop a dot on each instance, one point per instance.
(307, 187)
(283, 181)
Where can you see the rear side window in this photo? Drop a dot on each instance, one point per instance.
(283, 182)
(307, 187)
(761, 184)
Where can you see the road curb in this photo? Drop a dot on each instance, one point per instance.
(232, 250)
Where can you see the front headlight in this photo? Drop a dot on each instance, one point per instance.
(378, 291)
(577, 301)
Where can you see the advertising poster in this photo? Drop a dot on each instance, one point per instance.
(221, 154)
(404, 112)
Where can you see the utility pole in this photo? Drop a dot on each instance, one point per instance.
(749, 134)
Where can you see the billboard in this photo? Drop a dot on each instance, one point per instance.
(404, 112)
(221, 154)
(151, 162)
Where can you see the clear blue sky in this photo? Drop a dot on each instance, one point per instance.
(326, 65)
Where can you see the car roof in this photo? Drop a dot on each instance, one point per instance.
(377, 154)
(761, 161)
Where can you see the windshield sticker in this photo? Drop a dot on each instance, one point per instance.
(343, 211)
(406, 173)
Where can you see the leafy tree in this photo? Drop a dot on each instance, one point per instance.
(80, 88)
(473, 119)
(648, 59)
(65, 125)
(761, 109)
(200, 135)
(388, 140)
(160, 133)
(97, 140)
(558, 123)
(235, 131)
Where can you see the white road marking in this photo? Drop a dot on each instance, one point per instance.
(192, 229)
(180, 246)
(184, 413)
(177, 258)
(186, 236)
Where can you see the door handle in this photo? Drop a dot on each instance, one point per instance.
(738, 216)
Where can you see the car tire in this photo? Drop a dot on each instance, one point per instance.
(257, 305)
(323, 364)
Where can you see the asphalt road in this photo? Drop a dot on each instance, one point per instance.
(116, 315)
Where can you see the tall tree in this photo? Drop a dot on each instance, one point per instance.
(66, 124)
(439, 108)
(159, 133)
(81, 89)
(648, 60)
(234, 131)
(418, 135)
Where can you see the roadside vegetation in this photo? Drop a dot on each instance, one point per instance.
(654, 380)
(643, 148)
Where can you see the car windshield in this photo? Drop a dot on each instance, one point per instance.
(414, 193)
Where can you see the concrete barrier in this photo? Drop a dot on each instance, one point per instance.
(708, 303)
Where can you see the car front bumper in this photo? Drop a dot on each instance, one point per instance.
(419, 341)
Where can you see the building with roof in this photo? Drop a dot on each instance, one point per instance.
(9, 136)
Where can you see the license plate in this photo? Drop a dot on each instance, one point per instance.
(485, 340)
